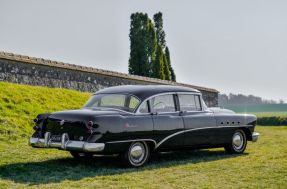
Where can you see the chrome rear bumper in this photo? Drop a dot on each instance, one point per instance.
(66, 144)
(255, 136)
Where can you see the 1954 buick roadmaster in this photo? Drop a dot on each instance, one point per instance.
(135, 121)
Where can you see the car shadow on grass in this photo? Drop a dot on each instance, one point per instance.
(58, 170)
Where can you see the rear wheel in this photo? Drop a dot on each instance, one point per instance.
(238, 143)
(81, 155)
(136, 155)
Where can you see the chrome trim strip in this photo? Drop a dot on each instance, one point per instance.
(135, 140)
(105, 108)
(170, 136)
(177, 133)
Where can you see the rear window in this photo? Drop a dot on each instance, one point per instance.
(117, 101)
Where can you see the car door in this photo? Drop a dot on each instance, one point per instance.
(168, 124)
(140, 125)
(199, 123)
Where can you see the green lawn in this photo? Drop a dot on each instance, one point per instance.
(264, 164)
(266, 108)
(270, 114)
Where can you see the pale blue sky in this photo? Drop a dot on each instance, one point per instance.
(233, 46)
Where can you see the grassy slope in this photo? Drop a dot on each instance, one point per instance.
(263, 165)
(20, 104)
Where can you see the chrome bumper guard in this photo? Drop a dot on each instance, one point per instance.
(255, 136)
(66, 144)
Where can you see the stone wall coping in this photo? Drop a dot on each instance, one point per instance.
(57, 64)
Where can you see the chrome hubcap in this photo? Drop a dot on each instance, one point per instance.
(137, 153)
(237, 140)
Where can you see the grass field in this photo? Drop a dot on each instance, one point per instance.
(269, 114)
(268, 108)
(263, 165)
(260, 110)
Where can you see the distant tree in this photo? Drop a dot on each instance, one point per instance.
(139, 36)
(222, 99)
(172, 74)
(281, 101)
(232, 99)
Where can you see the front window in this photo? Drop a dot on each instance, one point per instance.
(144, 107)
(116, 101)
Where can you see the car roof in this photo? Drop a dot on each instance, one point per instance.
(145, 91)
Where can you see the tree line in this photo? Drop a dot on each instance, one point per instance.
(149, 54)
(224, 99)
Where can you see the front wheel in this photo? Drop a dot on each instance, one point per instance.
(238, 143)
(136, 155)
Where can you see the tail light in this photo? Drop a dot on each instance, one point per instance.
(90, 125)
(36, 127)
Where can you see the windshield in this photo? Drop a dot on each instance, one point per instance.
(124, 102)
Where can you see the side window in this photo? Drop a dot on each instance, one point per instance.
(162, 103)
(143, 108)
(133, 102)
(197, 103)
(113, 100)
(189, 102)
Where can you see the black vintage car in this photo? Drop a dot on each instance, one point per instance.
(134, 121)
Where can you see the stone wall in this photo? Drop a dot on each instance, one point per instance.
(35, 71)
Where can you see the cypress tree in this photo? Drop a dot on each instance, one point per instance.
(159, 62)
(139, 61)
(158, 65)
(166, 68)
(172, 74)
(160, 34)
(149, 55)
(152, 45)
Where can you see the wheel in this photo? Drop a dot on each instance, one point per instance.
(237, 144)
(136, 155)
(81, 155)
